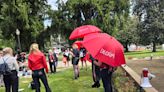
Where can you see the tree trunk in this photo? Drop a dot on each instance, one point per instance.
(154, 47)
(126, 47)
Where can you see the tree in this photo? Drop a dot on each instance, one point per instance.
(151, 24)
(129, 34)
(25, 15)
(108, 15)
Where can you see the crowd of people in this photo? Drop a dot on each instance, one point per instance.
(38, 65)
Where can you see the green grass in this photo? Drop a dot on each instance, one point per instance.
(142, 54)
(63, 82)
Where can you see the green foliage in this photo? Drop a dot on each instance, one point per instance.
(109, 15)
(151, 24)
(129, 34)
(63, 81)
(25, 15)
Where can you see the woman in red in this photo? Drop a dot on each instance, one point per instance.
(37, 63)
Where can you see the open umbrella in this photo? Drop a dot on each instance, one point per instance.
(78, 43)
(81, 31)
(105, 48)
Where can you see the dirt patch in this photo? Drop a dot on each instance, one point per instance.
(156, 67)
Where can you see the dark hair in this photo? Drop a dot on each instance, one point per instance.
(1, 48)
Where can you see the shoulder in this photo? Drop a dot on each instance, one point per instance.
(41, 54)
(12, 58)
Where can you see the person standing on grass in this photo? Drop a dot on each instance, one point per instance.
(75, 60)
(1, 76)
(82, 55)
(37, 63)
(65, 57)
(106, 75)
(95, 73)
(56, 55)
(68, 56)
(10, 79)
(51, 59)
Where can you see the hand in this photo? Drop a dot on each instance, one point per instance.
(46, 70)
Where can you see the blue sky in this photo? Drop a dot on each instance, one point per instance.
(54, 7)
(53, 4)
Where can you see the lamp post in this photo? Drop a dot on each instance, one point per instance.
(18, 35)
(59, 38)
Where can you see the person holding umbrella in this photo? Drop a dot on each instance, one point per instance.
(95, 73)
(108, 51)
(106, 75)
(75, 60)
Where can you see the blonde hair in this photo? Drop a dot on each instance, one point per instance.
(8, 50)
(75, 46)
(34, 47)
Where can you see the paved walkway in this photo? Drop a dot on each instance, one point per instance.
(155, 66)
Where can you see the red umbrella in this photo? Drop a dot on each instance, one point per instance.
(105, 48)
(78, 43)
(81, 31)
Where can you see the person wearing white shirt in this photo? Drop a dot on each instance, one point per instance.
(10, 80)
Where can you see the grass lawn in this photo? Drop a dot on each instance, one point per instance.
(63, 82)
(142, 54)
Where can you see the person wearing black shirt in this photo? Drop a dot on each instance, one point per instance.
(106, 75)
(95, 73)
(75, 60)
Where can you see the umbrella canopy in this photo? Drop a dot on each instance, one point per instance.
(105, 48)
(81, 31)
(78, 43)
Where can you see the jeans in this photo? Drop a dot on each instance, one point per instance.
(11, 81)
(40, 74)
(106, 76)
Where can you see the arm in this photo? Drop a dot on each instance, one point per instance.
(97, 63)
(45, 63)
(29, 63)
(16, 65)
(72, 54)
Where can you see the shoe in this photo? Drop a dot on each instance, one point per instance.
(75, 78)
(96, 85)
(78, 75)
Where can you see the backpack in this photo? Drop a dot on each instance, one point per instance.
(4, 68)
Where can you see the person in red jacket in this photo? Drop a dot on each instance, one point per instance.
(37, 63)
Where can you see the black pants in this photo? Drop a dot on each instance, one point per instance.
(11, 81)
(106, 79)
(52, 67)
(40, 74)
(96, 73)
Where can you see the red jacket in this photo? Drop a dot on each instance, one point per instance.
(37, 61)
